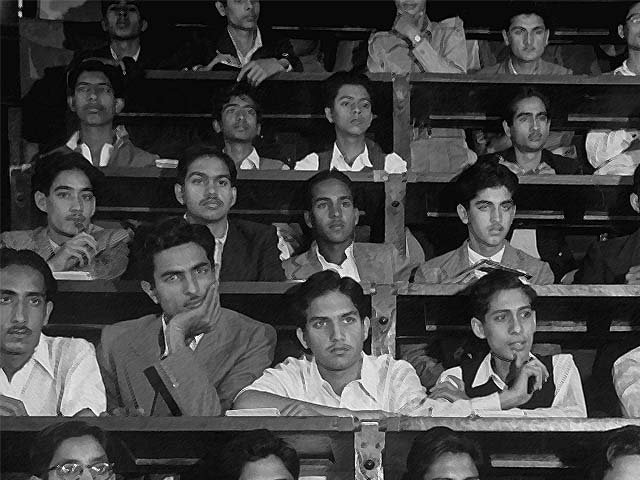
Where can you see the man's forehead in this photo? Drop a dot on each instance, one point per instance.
(530, 105)
(71, 178)
(22, 278)
(511, 299)
(493, 194)
(527, 20)
(355, 91)
(93, 77)
(240, 101)
(182, 257)
(330, 187)
(634, 10)
(333, 303)
(209, 165)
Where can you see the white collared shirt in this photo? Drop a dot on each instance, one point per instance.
(246, 58)
(626, 379)
(348, 268)
(393, 163)
(192, 344)
(251, 162)
(624, 70)
(115, 55)
(475, 257)
(568, 400)
(119, 133)
(62, 377)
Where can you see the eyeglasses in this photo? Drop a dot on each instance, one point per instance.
(634, 18)
(73, 470)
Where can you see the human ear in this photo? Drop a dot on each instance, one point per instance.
(221, 10)
(307, 219)
(150, 291)
(366, 325)
(178, 190)
(546, 37)
(47, 312)
(144, 25)
(506, 128)
(300, 335)
(41, 201)
(234, 194)
(478, 328)
(621, 31)
(634, 199)
(328, 114)
(216, 126)
(505, 37)
(462, 213)
(71, 103)
(119, 105)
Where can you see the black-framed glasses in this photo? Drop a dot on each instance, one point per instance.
(74, 470)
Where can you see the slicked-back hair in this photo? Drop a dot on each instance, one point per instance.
(320, 284)
(240, 90)
(195, 152)
(168, 233)
(620, 442)
(428, 446)
(481, 292)
(252, 446)
(29, 258)
(48, 440)
(48, 167)
(636, 181)
(332, 85)
(482, 175)
(509, 113)
(321, 177)
(113, 74)
(526, 8)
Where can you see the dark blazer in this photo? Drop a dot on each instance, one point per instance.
(251, 253)
(608, 262)
(552, 245)
(199, 383)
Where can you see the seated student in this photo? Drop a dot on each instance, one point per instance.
(66, 450)
(206, 186)
(237, 117)
(348, 105)
(485, 193)
(95, 93)
(617, 152)
(258, 455)
(616, 260)
(339, 378)
(503, 314)
(416, 44)
(626, 380)
(41, 375)
(332, 216)
(620, 456)
(64, 185)
(257, 52)
(440, 453)
(526, 122)
(194, 357)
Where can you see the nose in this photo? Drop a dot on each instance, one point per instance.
(191, 285)
(19, 315)
(335, 211)
(525, 39)
(535, 123)
(86, 474)
(496, 215)
(516, 326)
(77, 204)
(335, 332)
(356, 108)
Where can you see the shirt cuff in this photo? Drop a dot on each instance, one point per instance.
(490, 402)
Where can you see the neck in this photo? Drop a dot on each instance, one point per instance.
(484, 250)
(217, 227)
(125, 48)
(528, 160)
(350, 146)
(523, 67)
(334, 252)
(12, 363)
(501, 367)
(238, 151)
(633, 62)
(338, 379)
(244, 38)
(95, 136)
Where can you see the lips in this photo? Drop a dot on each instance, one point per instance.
(19, 331)
(212, 203)
(336, 225)
(496, 230)
(195, 303)
(517, 346)
(340, 349)
(535, 137)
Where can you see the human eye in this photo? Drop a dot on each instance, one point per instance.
(196, 180)
(349, 320)
(82, 89)
(101, 468)
(35, 301)
(507, 206)
(63, 194)
(318, 324)
(70, 469)
(543, 117)
(321, 205)
(88, 196)
(251, 112)
(223, 182)
(5, 299)
(366, 105)
(527, 314)
(172, 278)
(347, 203)
(105, 90)
(203, 269)
(483, 207)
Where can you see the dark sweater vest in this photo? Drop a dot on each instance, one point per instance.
(540, 399)
(376, 157)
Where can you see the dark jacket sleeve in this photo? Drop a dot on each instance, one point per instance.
(104, 354)
(269, 264)
(594, 268)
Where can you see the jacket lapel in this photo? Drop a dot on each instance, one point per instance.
(458, 262)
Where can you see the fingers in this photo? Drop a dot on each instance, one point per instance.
(633, 275)
(243, 71)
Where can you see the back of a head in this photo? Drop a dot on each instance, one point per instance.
(28, 258)
(48, 440)
(301, 296)
(332, 85)
(113, 74)
(321, 177)
(482, 175)
(197, 151)
(622, 442)
(168, 233)
(428, 446)
(252, 446)
(48, 167)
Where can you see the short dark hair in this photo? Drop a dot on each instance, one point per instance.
(48, 167)
(240, 90)
(428, 446)
(105, 4)
(482, 175)
(526, 8)
(618, 443)
(319, 284)
(194, 152)
(29, 258)
(252, 446)
(321, 177)
(48, 440)
(636, 180)
(627, 9)
(92, 64)
(526, 92)
(332, 85)
(168, 233)
(481, 292)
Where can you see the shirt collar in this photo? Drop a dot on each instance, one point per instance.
(624, 70)
(193, 345)
(475, 257)
(513, 70)
(339, 163)
(41, 355)
(257, 43)
(251, 162)
(368, 375)
(120, 135)
(485, 373)
(223, 238)
(115, 56)
(325, 263)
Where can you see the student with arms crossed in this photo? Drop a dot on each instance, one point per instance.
(503, 314)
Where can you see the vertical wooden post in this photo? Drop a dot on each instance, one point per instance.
(383, 320)
(20, 179)
(368, 447)
(395, 190)
(402, 117)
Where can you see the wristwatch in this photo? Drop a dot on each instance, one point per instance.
(417, 39)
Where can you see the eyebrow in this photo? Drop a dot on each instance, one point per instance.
(67, 187)
(344, 197)
(506, 310)
(489, 202)
(101, 458)
(351, 97)
(90, 83)
(215, 177)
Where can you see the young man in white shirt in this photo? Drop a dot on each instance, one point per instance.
(503, 314)
(348, 106)
(41, 375)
